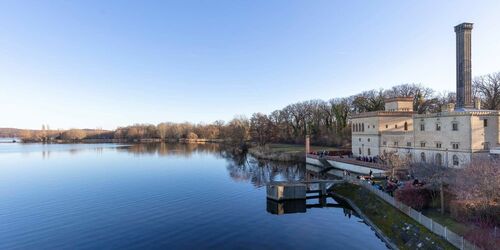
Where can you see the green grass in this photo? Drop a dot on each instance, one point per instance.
(447, 221)
(385, 216)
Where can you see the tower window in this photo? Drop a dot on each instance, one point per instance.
(455, 126)
(422, 127)
(485, 123)
(438, 144)
(454, 145)
(406, 126)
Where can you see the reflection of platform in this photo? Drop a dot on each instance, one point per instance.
(301, 205)
(286, 207)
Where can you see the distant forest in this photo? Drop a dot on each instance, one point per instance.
(327, 122)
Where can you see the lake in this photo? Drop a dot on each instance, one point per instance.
(176, 196)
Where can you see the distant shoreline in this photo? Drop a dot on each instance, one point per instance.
(182, 140)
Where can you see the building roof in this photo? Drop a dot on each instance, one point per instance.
(462, 112)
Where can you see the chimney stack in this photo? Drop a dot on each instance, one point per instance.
(477, 103)
(464, 67)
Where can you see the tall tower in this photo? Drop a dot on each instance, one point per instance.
(464, 68)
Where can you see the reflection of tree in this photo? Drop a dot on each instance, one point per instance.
(168, 149)
(247, 168)
(241, 167)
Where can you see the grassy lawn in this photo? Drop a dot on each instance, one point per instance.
(390, 220)
(447, 221)
(296, 148)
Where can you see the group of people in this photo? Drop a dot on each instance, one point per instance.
(374, 159)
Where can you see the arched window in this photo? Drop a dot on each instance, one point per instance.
(406, 126)
(369, 151)
(363, 127)
(439, 159)
(360, 151)
(356, 127)
(455, 160)
(422, 157)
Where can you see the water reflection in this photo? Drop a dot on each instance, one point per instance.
(240, 167)
(169, 149)
(301, 205)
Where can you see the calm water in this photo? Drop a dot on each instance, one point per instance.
(90, 196)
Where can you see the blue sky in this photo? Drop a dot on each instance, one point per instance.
(114, 63)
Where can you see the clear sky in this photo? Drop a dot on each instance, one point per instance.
(91, 64)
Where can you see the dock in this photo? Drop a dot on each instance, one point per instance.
(280, 191)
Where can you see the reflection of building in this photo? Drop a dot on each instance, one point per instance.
(452, 138)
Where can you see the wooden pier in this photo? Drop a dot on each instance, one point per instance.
(280, 191)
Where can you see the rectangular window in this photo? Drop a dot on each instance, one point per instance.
(408, 144)
(485, 123)
(368, 139)
(385, 143)
(438, 127)
(486, 145)
(396, 126)
(454, 145)
(422, 127)
(422, 144)
(438, 145)
(396, 144)
(386, 126)
(359, 139)
(455, 126)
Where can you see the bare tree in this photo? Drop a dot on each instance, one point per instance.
(435, 176)
(487, 88)
(479, 181)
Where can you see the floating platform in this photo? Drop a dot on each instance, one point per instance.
(286, 191)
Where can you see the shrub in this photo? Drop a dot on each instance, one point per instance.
(476, 212)
(415, 197)
(483, 236)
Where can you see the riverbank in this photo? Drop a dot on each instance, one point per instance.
(182, 140)
(284, 152)
(398, 227)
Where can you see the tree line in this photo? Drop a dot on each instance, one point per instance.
(325, 121)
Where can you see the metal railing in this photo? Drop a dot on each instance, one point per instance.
(450, 236)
